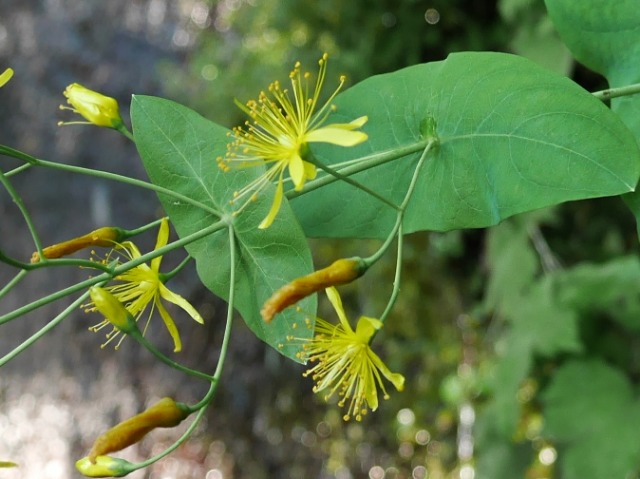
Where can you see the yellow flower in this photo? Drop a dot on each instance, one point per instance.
(5, 76)
(94, 107)
(346, 363)
(142, 286)
(279, 131)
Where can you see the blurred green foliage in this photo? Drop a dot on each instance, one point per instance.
(535, 322)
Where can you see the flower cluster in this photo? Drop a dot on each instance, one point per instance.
(281, 124)
(346, 363)
(141, 286)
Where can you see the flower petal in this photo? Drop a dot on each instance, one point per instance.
(171, 326)
(6, 76)
(366, 328)
(161, 240)
(334, 297)
(337, 134)
(178, 300)
(275, 207)
(396, 379)
(296, 171)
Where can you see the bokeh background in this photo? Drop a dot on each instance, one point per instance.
(59, 394)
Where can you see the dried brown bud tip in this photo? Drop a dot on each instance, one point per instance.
(339, 272)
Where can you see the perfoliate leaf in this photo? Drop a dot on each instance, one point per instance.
(514, 137)
(179, 149)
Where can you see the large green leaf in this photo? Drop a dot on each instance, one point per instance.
(179, 149)
(514, 137)
(590, 409)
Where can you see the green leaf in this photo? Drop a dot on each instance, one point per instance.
(179, 149)
(514, 137)
(611, 288)
(590, 408)
(603, 35)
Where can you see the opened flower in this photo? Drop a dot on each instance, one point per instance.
(346, 363)
(278, 132)
(141, 289)
(96, 108)
(5, 76)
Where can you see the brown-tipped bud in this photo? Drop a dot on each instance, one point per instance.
(164, 413)
(339, 272)
(104, 237)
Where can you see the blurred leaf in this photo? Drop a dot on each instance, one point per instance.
(550, 327)
(498, 459)
(601, 34)
(179, 149)
(591, 408)
(612, 288)
(512, 265)
(514, 137)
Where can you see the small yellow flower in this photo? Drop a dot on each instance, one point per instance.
(279, 131)
(346, 363)
(142, 286)
(5, 76)
(96, 108)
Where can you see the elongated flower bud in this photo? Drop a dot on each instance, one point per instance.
(5, 76)
(95, 107)
(339, 272)
(164, 413)
(112, 309)
(104, 237)
(103, 466)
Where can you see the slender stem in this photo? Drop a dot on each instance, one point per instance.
(362, 164)
(18, 169)
(114, 272)
(14, 281)
(52, 324)
(108, 176)
(351, 181)
(396, 279)
(617, 92)
(137, 335)
(167, 276)
(23, 209)
(400, 213)
(122, 128)
(201, 406)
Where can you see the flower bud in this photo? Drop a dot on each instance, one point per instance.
(104, 237)
(112, 309)
(164, 413)
(95, 107)
(104, 466)
(5, 76)
(339, 272)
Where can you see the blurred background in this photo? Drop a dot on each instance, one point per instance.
(58, 395)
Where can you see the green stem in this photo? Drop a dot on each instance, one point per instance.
(137, 335)
(114, 272)
(400, 213)
(164, 277)
(14, 281)
(396, 279)
(23, 209)
(617, 92)
(108, 176)
(350, 181)
(17, 170)
(201, 406)
(52, 324)
(365, 163)
(122, 128)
